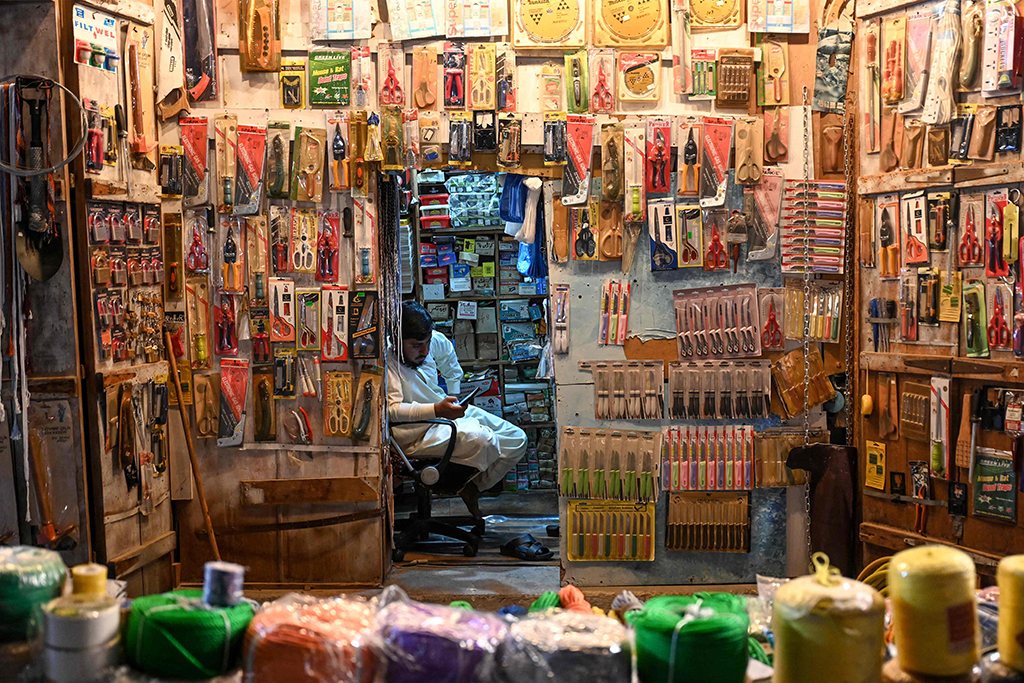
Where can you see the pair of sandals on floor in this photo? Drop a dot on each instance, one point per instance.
(528, 548)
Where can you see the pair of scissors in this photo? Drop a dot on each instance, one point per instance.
(204, 422)
(970, 248)
(716, 256)
(338, 419)
(771, 337)
(198, 259)
(303, 258)
(915, 249)
(998, 332)
(391, 92)
(601, 99)
(308, 338)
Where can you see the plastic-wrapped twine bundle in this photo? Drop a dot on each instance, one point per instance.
(81, 637)
(547, 600)
(439, 644)
(626, 602)
(572, 599)
(828, 628)
(564, 647)
(1010, 577)
(935, 616)
(29, 578)
(176, 635)
(301, 639)
(699, 638)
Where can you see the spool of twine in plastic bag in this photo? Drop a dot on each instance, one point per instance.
(935, 613)
(301, 639)
(567, 647)
(828, 628)
(439, 644)
(1010, 576)
(29, 578)
(700, 638)
(176, 635)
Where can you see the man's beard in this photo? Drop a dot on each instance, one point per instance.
(408, 363)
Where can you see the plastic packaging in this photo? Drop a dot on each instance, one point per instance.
(1010, 576)
(301, 639)
(828, 628)
(422, 642)
(29, 578)
(559, 646)
(174, 635)
(935, 617)
(700, 637)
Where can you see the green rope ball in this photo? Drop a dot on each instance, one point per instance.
(29, 578)
(175, 635)
(692, 639)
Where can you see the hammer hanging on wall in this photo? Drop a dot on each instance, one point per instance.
(187, 428)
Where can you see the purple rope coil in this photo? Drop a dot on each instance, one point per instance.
(440, 644)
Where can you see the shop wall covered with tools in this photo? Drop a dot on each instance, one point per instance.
(225, 226)
(689, 238)
(940, 275)
(43, 491)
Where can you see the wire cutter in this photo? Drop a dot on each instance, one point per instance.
(995, 266)
(690, 160)
(302, 432)
(232, 269)
(198, 259)
(998, 332)
(659, 163)
(226, 325)
(326, 250)
(890, 251)
(970, 248)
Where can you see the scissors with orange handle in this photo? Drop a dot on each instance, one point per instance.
(771, 337)
(998, 332)
(601, 99)
(970, 247)
(391, 92)
(716, 257)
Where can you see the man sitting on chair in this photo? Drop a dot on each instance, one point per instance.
(485, 442)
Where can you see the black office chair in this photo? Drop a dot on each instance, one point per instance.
(430, 476)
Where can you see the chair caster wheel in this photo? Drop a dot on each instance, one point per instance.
(397, 555)
(468, 550)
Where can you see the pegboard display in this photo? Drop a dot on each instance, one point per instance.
(939, 276)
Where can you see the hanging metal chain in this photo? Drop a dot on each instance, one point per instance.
(849, 293)
(807, 314)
